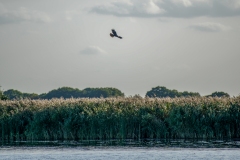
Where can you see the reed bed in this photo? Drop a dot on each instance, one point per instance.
(119, 118)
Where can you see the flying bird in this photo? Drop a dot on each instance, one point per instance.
(114, 34)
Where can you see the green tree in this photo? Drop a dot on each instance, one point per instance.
(219, 94)
(2, 96)
(31, 95)
(68, 92)
(101, 92)
(64, 92)
(161, 92)
(13, 94)
(190, 94)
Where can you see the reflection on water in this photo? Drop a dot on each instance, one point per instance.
(181, 143)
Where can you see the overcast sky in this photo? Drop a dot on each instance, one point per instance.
(188, 45)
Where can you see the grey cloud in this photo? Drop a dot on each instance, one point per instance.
(210, 27)
(91, 50)
(22, 14)
(170, 8)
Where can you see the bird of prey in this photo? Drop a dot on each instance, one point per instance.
(114, 34)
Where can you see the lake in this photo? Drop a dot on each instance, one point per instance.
(117, 153)
(118, 150)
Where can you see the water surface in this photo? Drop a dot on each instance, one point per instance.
(116, 153)
(148, 149)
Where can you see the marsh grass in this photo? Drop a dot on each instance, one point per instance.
(119, 118)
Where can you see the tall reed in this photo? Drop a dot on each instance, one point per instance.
(119, 118)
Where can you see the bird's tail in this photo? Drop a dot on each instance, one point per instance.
(119, 37)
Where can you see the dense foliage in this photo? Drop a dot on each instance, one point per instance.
(66, 92)
(120, 118)
(219, 94)
(15, 94)
(161, 92)
(2, 96)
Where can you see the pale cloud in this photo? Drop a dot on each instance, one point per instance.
(22, 14)
(210, 27)
(170, 8)
(152, 8)
(186, 3)
(92, 50)
(133, 8)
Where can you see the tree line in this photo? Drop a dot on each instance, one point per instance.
(68, 92)
(161, 92)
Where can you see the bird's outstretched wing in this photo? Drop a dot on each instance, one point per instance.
(114, 32)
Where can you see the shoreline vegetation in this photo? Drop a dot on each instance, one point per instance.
(120, 118)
